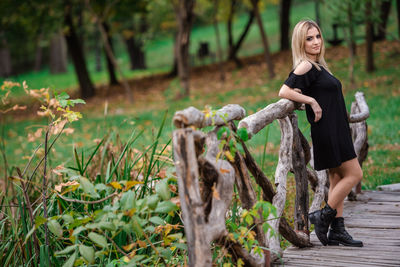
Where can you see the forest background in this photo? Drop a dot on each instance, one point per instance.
(127, 60)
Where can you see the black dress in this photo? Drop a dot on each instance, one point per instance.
(331, 137)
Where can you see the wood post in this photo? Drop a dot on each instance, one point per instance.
(301, 178)
(203, 223)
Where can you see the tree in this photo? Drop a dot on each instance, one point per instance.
(369, 33)
(184, 17)
(110, 66)
(218, 39)
(234, 48)
(267, 54)
(5, 58)
(134, 44)
(284, 23)
(383, 19)
(398, 16)
(58, 54)
(76, 52)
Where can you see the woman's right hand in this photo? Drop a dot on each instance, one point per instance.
(317, 110)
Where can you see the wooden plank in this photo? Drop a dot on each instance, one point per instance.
(377, 196)
(334, 261)
(374, 219)
(340, 261)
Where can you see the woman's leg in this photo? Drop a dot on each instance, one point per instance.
(351, 174)
(334, 178)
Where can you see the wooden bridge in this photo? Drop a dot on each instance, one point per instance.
(375, 219)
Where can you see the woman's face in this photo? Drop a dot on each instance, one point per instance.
(313, 43)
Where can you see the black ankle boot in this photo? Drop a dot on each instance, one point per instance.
(321, 220)
(338, 235)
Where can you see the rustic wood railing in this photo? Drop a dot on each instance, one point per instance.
(206, 184)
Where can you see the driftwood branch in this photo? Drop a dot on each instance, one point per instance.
(257, 121)
(359, 131)
(193, 117)
(191, 203)
(363, 112)
(301, 178)
(282, 170)
(321, 190)
(238, 252)
(203, 214)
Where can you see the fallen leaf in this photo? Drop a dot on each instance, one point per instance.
(59, 187)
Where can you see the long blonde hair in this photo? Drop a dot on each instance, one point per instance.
(298, 45)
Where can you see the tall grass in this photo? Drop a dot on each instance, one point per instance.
(138, 224)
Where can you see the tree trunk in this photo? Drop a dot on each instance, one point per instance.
(264, 38)
(351, 44)
(110, 66)
(369, 33)
(317, 13)
(284, 22)
(136, 53)
(38, 53)
(398, 17)
(75, 49)
(5, 61)
(234, 48)
(217, 37)
(384, 15)
(229, 27)
(58, 54)
(184, 15)
(174, 72)
(97, 52)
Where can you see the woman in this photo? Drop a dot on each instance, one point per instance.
(312, 83)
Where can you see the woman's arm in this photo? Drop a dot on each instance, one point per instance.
(295, 95)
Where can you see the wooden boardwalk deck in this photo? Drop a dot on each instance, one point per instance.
(374, 219)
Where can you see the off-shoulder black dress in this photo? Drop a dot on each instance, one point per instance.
(331, 137)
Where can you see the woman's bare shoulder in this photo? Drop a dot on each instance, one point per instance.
(302, 68)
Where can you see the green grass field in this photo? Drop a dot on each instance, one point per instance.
(249, 86)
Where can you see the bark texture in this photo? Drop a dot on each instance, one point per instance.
(109, 45)
(193, 117)
(264, 38)
(203, 223)
(75, 49)
(369, 33)
(58, 54)
(281, 172)
(257, 121)
(284, 23)
(184, 16)
(301, 178)
(234, 47)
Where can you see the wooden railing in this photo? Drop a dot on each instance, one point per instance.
(206, 184)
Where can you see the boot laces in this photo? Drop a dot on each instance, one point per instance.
(342, 231)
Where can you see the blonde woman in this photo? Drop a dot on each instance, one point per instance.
(312, 83)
